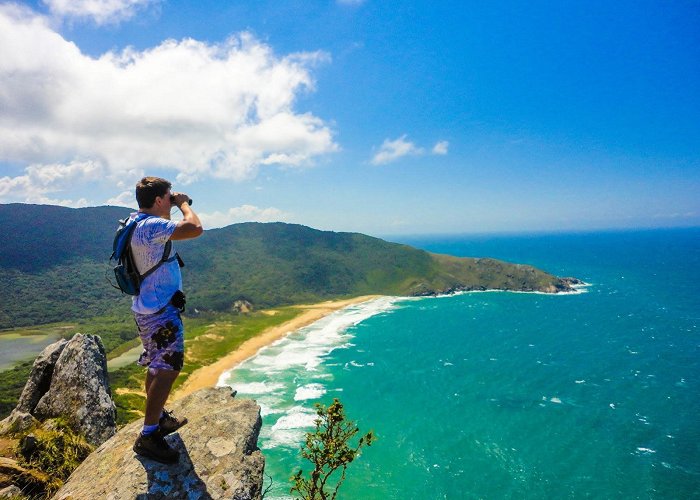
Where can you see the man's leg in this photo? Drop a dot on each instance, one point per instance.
(149, 380)
(157, 393)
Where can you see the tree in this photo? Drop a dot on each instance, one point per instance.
(328, 448)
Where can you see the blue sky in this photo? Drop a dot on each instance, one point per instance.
(377, 117)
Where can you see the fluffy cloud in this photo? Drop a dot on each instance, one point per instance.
(100, 11)
(41, 180)
(393, 150)
(201, 110)
(244, 213)
(440, 148)
(123, 199)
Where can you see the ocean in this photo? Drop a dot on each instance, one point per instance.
(507, 395)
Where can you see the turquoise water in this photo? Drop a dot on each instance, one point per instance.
(508, 395)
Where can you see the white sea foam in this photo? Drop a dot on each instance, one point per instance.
(309, 391)
(645, 450)
(289, 429)
(305, 348)
(555, 400)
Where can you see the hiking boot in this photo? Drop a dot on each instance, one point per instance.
(170, 423)
(155, 447)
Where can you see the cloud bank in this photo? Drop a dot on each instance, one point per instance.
(201, 110)
(244, 213)
(100, 11)
(41, 180)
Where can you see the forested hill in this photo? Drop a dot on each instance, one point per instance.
(38, 237)
(54, 265)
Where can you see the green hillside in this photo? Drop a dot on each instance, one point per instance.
(54, 266)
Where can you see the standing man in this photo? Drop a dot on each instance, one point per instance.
(158, 305)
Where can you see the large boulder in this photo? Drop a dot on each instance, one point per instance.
(219, 457)
(79, 390)
(69, 381)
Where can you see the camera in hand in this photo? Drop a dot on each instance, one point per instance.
(172, 200)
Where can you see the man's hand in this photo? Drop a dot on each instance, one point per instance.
(190, 226)
(179, 199)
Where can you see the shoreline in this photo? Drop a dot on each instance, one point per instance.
(208, 376)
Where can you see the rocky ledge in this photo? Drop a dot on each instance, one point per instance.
(219, 457)
(559, 285)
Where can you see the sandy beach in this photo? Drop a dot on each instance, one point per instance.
(208, 376)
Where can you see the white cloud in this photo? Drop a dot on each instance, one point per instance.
(100, 11)
(39, 181)
(440, 148)
(123, 199)
(393, 150)
(350, 2)
(244, 213)
(200, 110)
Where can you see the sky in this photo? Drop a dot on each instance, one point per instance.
(386, 118)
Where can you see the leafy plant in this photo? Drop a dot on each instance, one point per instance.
(329, 450)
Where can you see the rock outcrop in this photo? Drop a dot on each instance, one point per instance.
(40, 377)
(219, 457)
(68, 380)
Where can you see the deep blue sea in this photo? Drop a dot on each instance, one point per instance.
(507, 395)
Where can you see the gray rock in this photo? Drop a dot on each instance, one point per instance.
(13, 474)
(10, 492)
(219, 457)
(40, 377)
(79, 390)
(17, 422)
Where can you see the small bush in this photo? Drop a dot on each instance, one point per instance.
(328, 448)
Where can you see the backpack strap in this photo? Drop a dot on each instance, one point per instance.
(165, 257)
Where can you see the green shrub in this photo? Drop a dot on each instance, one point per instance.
(328, 448)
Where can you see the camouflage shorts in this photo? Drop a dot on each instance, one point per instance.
(162, 336)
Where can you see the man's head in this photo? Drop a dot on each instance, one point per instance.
(152, 190)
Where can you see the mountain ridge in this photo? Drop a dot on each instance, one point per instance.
(56, 265)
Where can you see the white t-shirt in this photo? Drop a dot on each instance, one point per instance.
(147, 246)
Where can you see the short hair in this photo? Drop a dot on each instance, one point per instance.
(150, 188)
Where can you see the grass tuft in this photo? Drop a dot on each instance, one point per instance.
(56, 453)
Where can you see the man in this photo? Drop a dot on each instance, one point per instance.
(157, 307)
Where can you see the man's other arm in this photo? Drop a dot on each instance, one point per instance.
(190, 226)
